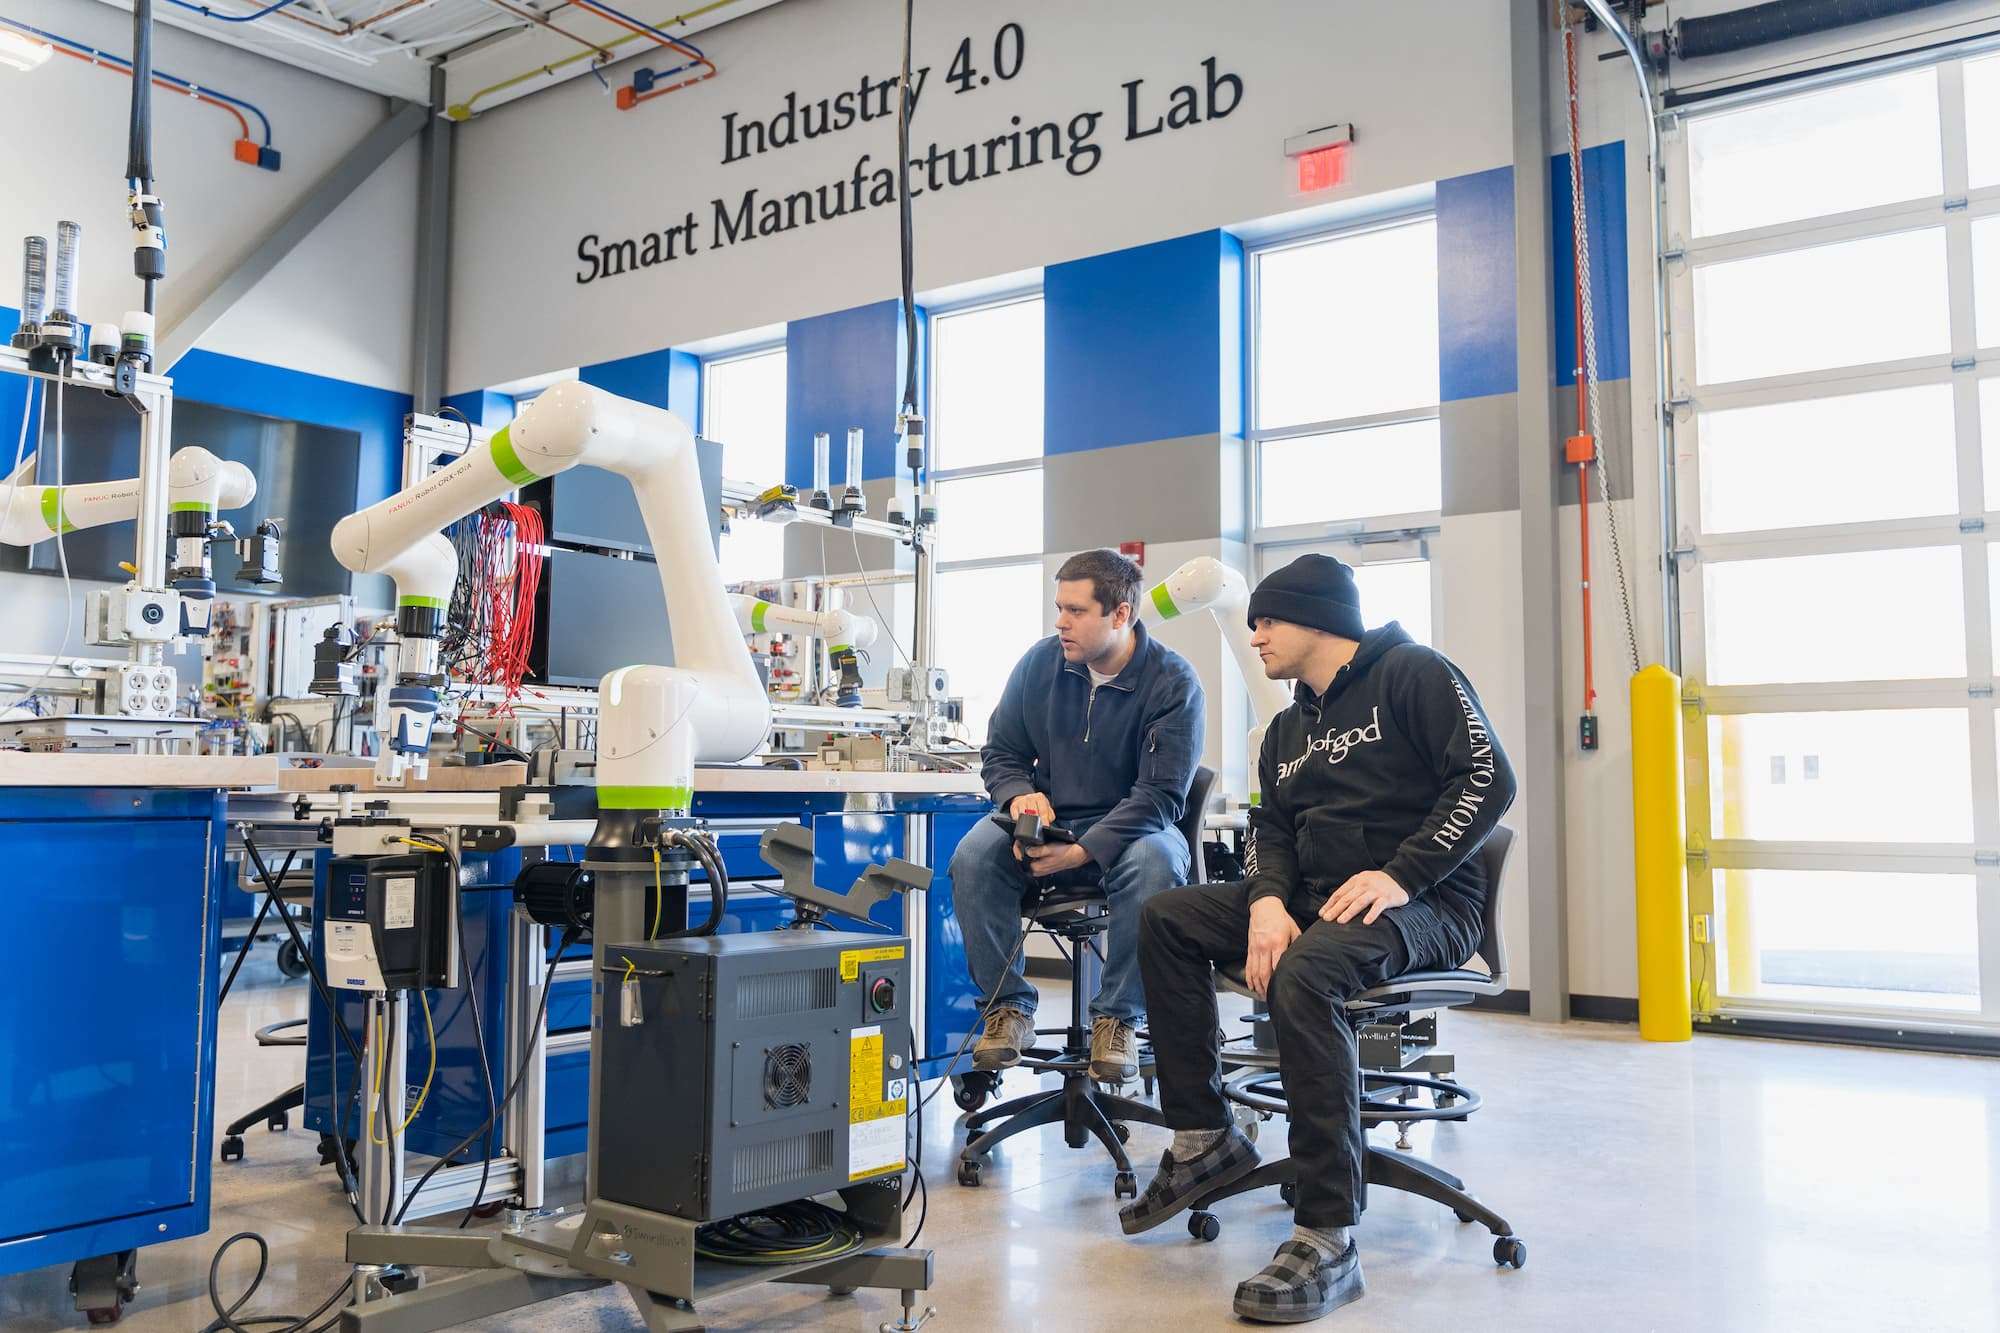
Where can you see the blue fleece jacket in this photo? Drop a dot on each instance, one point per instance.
(1122, 755)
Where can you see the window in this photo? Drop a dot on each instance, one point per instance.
(986, 453)
(1345, 445)
(1843, 434)
(743, 410)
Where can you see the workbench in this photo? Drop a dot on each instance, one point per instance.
(857, 818)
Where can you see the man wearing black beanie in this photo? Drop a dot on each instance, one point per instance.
(1378, 784)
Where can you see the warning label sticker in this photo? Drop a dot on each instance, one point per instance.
(852, 959)
(399, 904)
(876, 1106)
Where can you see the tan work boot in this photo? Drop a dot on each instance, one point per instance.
(1114, 1050)
(1009, 1032)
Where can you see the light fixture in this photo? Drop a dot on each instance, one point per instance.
(23, 52)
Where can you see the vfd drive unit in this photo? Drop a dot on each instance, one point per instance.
(742, 1071)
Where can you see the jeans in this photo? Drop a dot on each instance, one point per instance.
(989, 886)
(1181, 934)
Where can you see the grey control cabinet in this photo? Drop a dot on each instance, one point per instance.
(748, 1070)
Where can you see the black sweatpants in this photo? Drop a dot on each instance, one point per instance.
(1183, 931)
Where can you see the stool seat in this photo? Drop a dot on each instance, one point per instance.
(1447, 987)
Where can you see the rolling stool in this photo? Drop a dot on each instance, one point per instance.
(1393, 1044)
(1078, 913)
(273, 1112)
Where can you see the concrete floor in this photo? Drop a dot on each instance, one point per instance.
(1724, 1184)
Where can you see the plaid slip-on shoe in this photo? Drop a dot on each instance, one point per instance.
(1177, 1184)
(1298, 1285)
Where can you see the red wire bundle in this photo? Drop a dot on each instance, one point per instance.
(511, 572)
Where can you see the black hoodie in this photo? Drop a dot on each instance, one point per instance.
(1393, 769)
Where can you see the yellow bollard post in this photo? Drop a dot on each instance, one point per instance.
(1659, 856)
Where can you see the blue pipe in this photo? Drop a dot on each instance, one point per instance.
(208, 13)
(126, 65)
(663, 36)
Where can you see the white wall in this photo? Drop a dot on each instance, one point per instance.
(339, 305)
(1424, 81)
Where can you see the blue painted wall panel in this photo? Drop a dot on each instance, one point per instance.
(845, 369)
(1478, 348)
(1135, 346)
(483, 407)
(665, 378)
(1610, 292)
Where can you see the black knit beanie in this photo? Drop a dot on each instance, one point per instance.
(1316, 591)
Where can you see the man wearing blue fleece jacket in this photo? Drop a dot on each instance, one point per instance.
(1099, 731)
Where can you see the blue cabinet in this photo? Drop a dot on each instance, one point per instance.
(107, 1062)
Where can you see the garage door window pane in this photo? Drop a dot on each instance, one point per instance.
(1848, 304)
(1868, 615)
(1801, 158)
(987, 397)
(1347, 327)
(1821, 460)
(1351, 474)
(1982, 120)
(981, 517)
(986, 619)
(1876, 776)
(1852, 938)
(1986, 280)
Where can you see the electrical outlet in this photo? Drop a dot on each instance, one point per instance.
(1704, 928)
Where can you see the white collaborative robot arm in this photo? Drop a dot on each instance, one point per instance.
(846, 635)
(655, 722)
(1206, 584)
(196, 479)
(198, 485)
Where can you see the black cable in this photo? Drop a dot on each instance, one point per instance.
(319, 982)
(787, 1233)
(250, 940)
(908, 245)
(225, 1316)
(485, 1066)
(569, 937)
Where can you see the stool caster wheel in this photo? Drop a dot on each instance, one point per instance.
(970, 1091)
(1204, 1226)
(968, 1173)
(1289, 1192)
(1126, 1186)
(841, 1291)
(290, 961)
(232, 1149)
(278, 1123)
(1510, 1252)
(1464, 1217)
(1122, 1130)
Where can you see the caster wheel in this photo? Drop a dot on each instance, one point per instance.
(1443, 1100)
(1465, 1217)
(232, 1149)
(1289, 1192)
(1510, 1252)
(1126, 1186)
(968, 1173)
(399, 1283)
(1204, 1226)
(290, 961)
(1122, 1130)
(840, 1291)
(493, 1209)
(278, 1123)
(105, 1314)
(968, 1097)
(1456, 1119)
